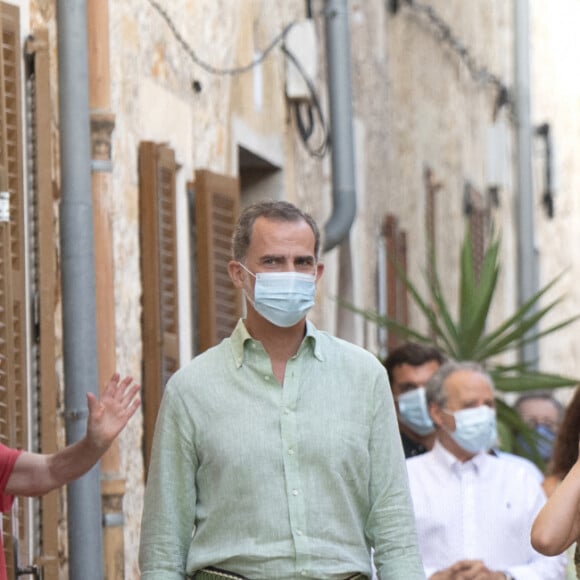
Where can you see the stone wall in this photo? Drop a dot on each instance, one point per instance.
(416, 105)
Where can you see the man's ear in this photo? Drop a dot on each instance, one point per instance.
(435, 412)
(237, 273)
(319, 270)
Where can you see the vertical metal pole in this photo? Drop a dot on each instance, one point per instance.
(78, 281)
(527, 254)
(338, 226)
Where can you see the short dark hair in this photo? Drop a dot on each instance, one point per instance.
(544, 396)
(414, 354)
(283, 211)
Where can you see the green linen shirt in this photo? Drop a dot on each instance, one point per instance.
(278, 482)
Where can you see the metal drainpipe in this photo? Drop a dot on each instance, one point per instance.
(527, 255)
(338, 58)
(78, 281)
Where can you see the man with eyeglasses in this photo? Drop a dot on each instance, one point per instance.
(543, 413)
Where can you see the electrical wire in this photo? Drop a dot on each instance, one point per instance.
(208, 67)
(479, 73)
(304, 130)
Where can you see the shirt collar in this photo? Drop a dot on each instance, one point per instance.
(312, 339)
(240, 336)
(448, 460)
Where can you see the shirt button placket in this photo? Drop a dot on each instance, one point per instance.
(470, 519)
(291, 459)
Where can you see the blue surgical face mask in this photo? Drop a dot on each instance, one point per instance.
(544, 442)
(413, 411)
(475, 429)
(283, 298)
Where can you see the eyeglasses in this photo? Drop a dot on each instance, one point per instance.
(551, 425)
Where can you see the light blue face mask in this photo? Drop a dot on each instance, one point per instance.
(475, 429)
(283, 298)
(544, 443)
(413, 411)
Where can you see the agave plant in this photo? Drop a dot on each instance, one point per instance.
(467, 336)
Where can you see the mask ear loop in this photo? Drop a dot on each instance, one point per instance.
(246, 296)
(246, 269)
(451, 414)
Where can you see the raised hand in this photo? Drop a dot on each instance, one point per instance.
(109, 415)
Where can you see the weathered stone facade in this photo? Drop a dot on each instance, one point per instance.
(416, 106)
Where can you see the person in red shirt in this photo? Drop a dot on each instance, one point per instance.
(34, 474)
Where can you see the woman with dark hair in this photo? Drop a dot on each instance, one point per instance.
(557, 525)
(565, 451)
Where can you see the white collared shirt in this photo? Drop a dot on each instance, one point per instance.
(482, 509)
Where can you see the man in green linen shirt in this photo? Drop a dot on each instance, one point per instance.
(276, 454)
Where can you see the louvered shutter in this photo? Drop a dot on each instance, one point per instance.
(396, 250)
(432, 187)
(43, 277)
(402, 293)
(13, 369)
(217, 207)
(157, 169)
(479, 218)
(478, 225)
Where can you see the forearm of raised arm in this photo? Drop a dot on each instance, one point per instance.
(35, 474)
(73, 461)
(557, 525)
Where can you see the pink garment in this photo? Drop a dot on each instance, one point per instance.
(7, 460)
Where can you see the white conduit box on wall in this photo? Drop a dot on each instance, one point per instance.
(497, 156)
(301, 43)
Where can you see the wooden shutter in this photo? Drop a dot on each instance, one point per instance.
(43, 280)
(478, 214)
(160, 324)
(402, 293)
(13, 363)
(432, 187)
(397, 300)
(478, 228)
(217, 207)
